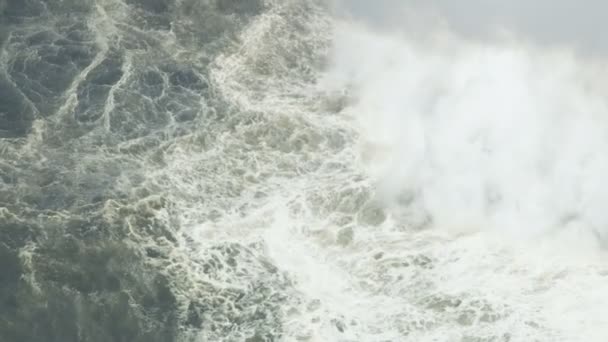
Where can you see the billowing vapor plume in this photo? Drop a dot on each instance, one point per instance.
(485, 119)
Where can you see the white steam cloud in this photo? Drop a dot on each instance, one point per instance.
(478, 134)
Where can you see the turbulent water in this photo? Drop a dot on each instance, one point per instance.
(260, 170)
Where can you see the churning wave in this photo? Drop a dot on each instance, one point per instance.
(263, 170)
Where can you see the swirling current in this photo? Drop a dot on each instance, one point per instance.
(209, 170)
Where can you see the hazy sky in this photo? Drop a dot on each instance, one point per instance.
(581, 24)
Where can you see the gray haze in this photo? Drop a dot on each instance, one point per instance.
(549, 22)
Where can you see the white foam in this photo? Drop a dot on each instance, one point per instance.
(500, 145)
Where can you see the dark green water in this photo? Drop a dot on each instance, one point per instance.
(97, 98)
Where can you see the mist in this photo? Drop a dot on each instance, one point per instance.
(559, 23)
(498, 121)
